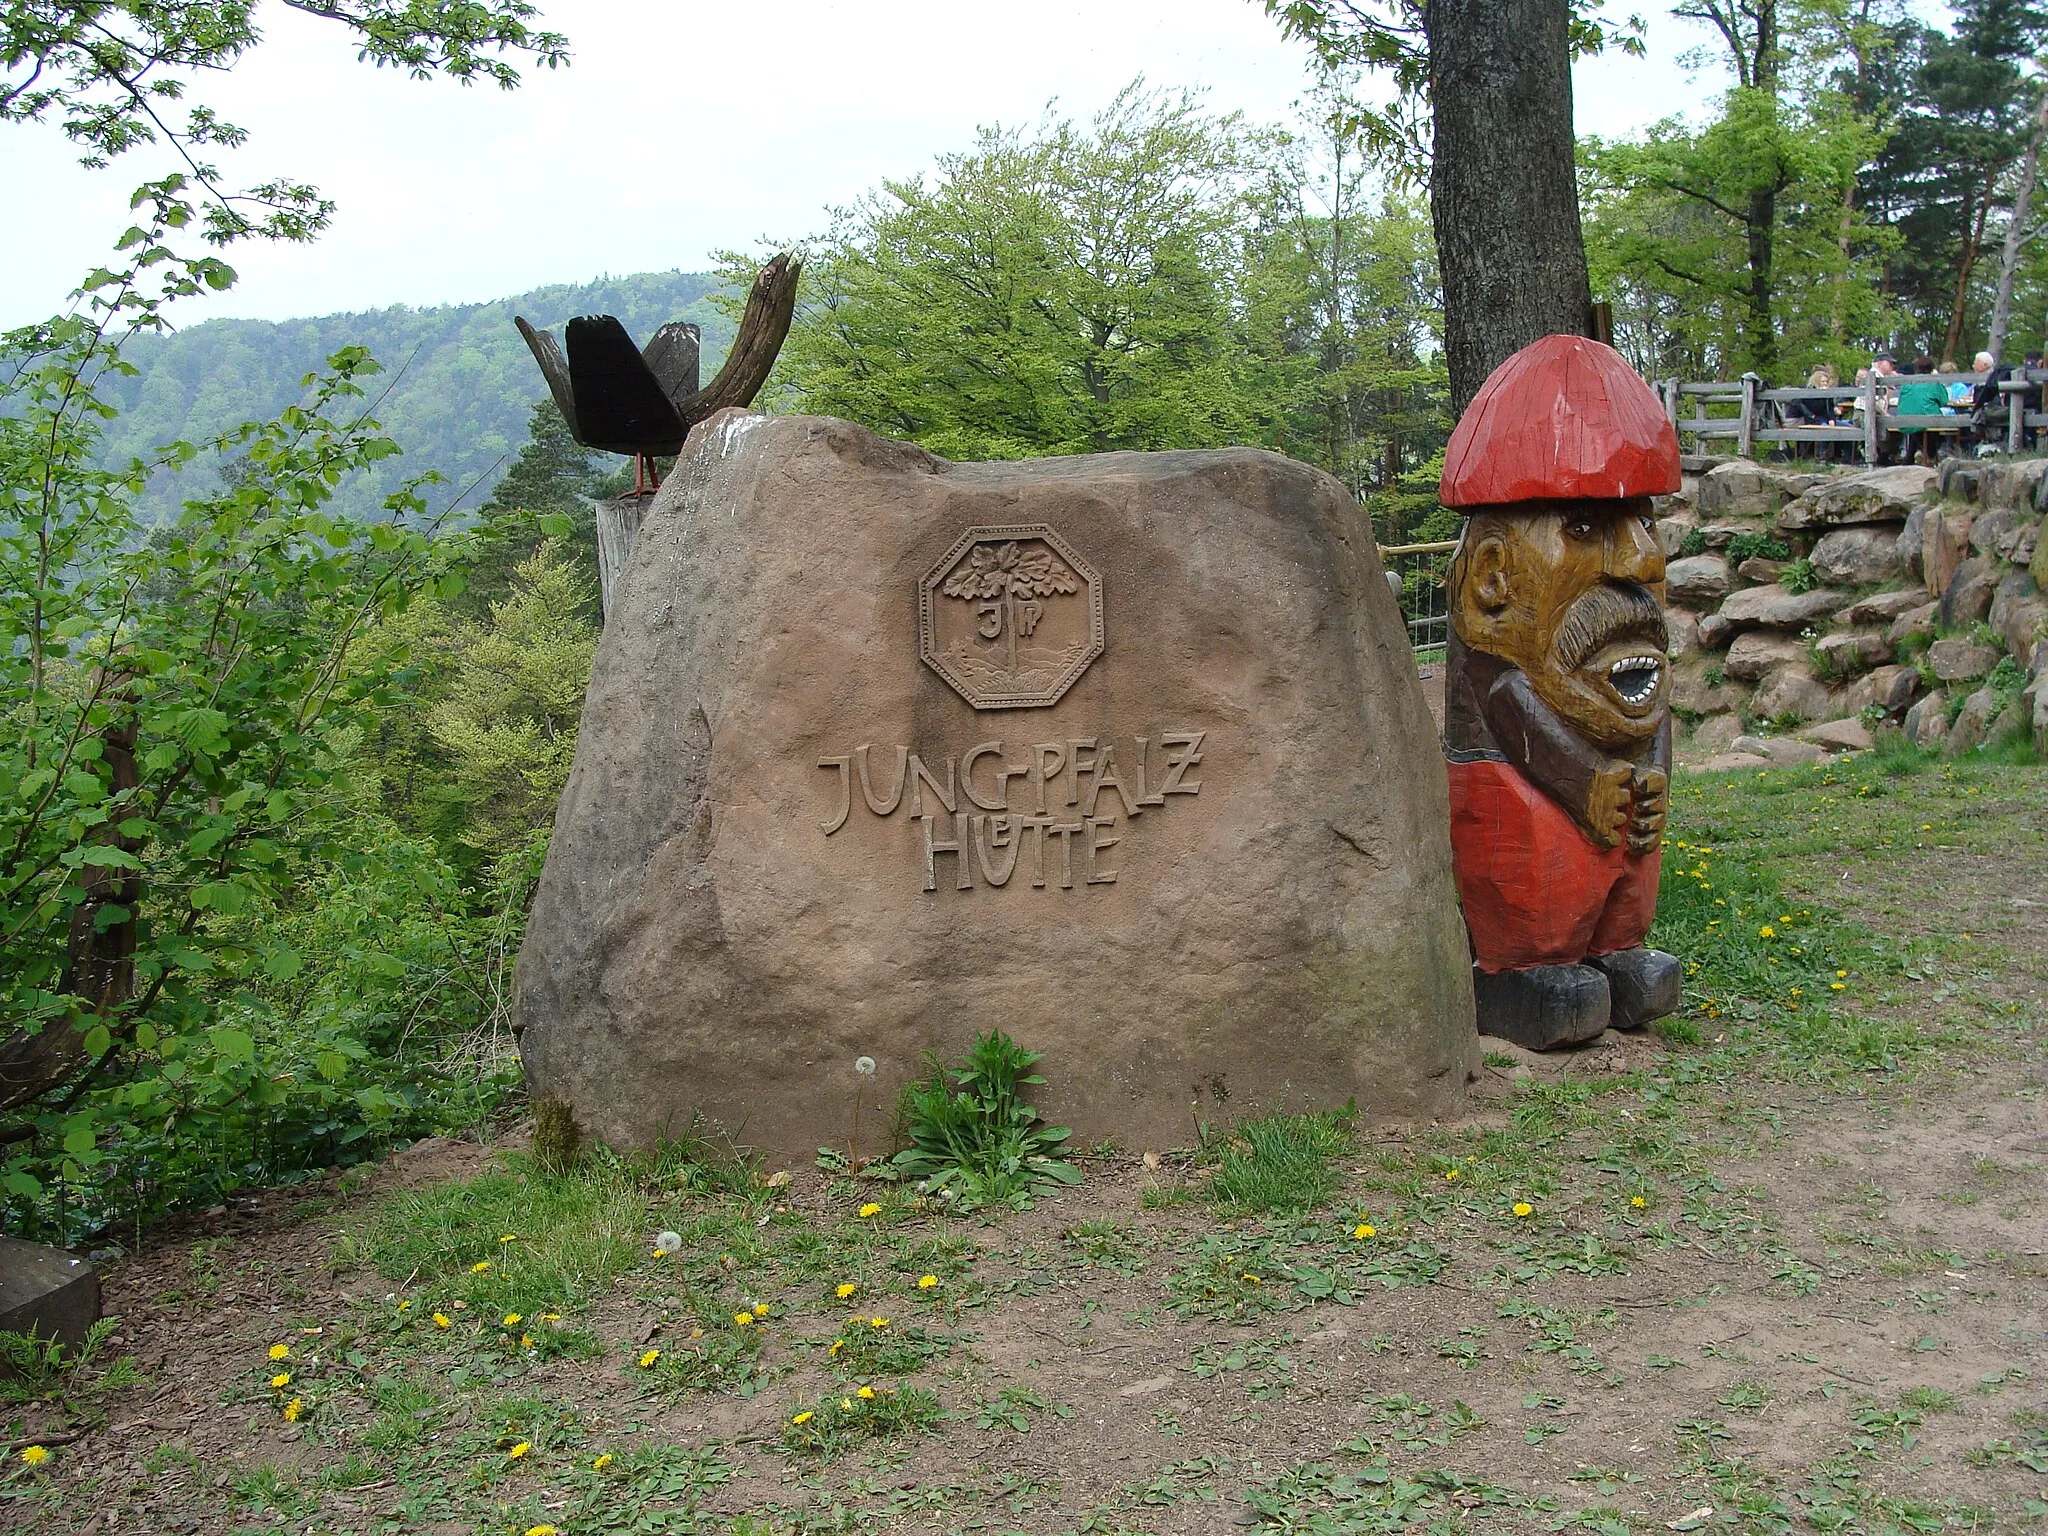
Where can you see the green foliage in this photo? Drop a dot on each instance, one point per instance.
(1761, 546)
(837, 1421)
(1694, 542)
(39, 1370)
(1799, 576)
(975, 1142)
(1282, 1162)
(568, 1235)
(1155, 278)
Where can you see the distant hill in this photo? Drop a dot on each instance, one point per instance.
(465, 380)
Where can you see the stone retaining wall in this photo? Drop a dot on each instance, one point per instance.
(1810, 607)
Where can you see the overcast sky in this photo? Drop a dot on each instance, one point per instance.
(678, 130)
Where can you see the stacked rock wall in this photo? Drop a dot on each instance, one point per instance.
(1810, 606)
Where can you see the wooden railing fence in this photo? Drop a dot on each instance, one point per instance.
(1751, 414)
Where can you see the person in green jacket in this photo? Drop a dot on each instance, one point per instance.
(1919, 395)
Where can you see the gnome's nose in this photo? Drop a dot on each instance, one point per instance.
(1633, 553)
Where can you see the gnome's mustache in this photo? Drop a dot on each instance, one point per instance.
(1606, 613)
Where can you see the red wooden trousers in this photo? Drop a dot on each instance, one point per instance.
(1537, 890)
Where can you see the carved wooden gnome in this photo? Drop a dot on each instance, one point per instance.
(1557, 733)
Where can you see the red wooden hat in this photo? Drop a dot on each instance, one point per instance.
(1564, 418)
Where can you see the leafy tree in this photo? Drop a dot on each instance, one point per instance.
(1063, 291)
(553, 478)
(177, 706)
(507, 721)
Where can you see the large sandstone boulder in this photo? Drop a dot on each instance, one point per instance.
(1969, 593)
(1914, 621)
(1698, 581)
(1849, 651)
(1859, 556)
(1944, 545)
(1740, 487)
(2012, 483)
(1961, 661)
(1975, 723)
(1927, 721)
(1756, 651)
(1792, 692)
(2019, 614)
(1124, 755)
(1883, 607)
(1774, 608)
(1873, 496)
(1890, 688)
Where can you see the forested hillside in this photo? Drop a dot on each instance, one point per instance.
(460, 380)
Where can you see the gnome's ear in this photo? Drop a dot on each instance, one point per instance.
(1490, 571)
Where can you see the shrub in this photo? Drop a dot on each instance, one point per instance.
(975, 1142)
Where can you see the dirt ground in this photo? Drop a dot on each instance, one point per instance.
(1743, 1300)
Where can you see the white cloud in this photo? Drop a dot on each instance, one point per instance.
(678, 130)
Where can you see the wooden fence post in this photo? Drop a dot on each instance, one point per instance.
(618, 525)
(2015, 418)
(1745, 440)
(1870, 422)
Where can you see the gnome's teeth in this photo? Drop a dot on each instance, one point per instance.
(1635, 678)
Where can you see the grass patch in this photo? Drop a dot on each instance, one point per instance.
(1282, 1163)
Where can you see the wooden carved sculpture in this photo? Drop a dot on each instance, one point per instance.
(1557, 732)
(620, 399)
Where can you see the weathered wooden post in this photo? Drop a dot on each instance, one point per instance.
(1871, 426)
(1745, 437)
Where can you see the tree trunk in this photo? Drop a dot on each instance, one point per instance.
(1503, 187)
(1971, 245)
(2015, 230)
(1842, 244)
(1760, 232)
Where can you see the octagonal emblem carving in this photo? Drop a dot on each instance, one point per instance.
(1011, 616)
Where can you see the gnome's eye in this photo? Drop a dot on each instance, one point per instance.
(1580, 529)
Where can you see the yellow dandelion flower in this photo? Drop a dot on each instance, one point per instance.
(551, 1317)
(878, 1322)
(1841, 975)
(1365, 1229)
(519, 1450)
(846, 1290)
(542, 1530)
(1253, 1279)
(441, 1320)
(509, 1237)
(846, 1405)
(1767, 932)
(1451, 1173)
(1926, 826)
(281, 1380)
(837, 1345)
(1638, 1202)
(602, 1462)
(280, 1351)
(870, 1209)
(513, 1319)
(526, 1341)
(1523, 1208)
(648, 1359)
(480, 1266)
(1836, 986)
(293, 1409)
(866, 1392)
(760, 1309)
(405, 1306)
(34, 1455)
(926, 1282)
(802, 1418)
(1785, 917)
(742, 1319)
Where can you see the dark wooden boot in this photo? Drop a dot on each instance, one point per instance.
(1644, 983)
(1543, 1007)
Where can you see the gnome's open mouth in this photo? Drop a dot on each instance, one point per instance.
(1634, 678)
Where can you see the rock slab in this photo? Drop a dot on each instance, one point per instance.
(810, 820)
(47, 1292)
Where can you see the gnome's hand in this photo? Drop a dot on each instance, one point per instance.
(1611, 803)
(1649, 790)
